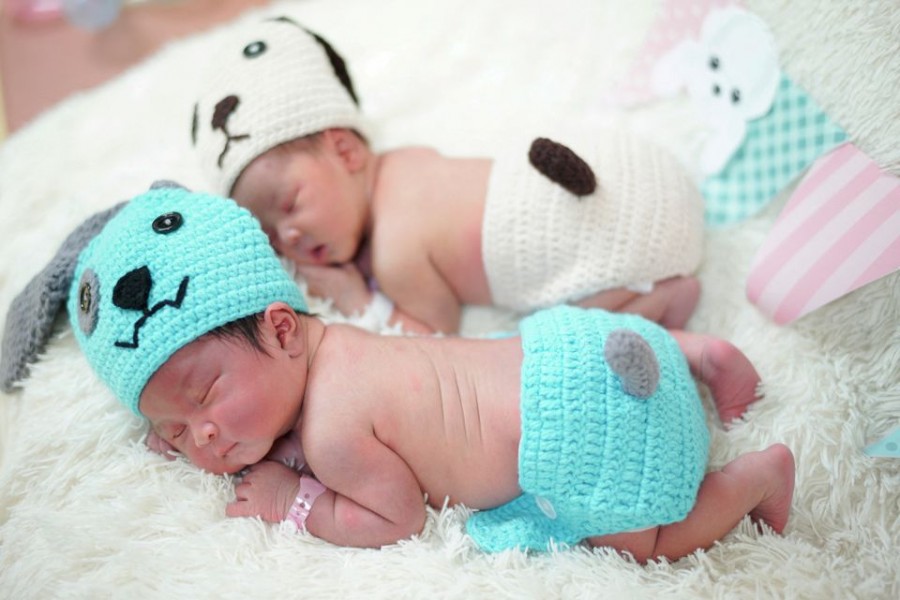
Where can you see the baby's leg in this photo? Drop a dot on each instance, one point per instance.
(670, 303)
(724, 369)
(760, 484)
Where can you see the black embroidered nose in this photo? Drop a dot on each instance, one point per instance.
(223, 110)
(132, 290)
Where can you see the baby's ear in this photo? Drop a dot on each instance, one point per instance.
(29, 321)
(285, 324)
(349, 147)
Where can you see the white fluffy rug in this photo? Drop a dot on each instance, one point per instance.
(87, 512)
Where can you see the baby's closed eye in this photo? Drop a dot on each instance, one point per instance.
(288, 205)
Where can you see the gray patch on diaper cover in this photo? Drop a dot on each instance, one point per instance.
(29, 321)
(633, 360)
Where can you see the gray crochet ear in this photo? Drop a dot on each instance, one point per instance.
(633, 360)
(166, 183)
(29, 321)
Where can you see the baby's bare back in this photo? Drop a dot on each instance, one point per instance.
(449, 408)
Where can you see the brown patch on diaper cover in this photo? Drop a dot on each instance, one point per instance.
(561, 165)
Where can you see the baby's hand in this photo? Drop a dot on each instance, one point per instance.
(344, 284)
(267, 490)
(160, 446)
(288, 451)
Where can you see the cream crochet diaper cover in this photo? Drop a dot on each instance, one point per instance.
(542, 245)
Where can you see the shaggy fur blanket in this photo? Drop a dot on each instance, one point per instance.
(86, 511)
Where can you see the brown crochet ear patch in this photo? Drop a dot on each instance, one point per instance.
(561, 165)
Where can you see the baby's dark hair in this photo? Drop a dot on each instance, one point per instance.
(246, 330)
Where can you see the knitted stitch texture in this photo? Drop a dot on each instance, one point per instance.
(171, 266)
(542, 245)
(33, 311)
(594, 459)
(269, 82)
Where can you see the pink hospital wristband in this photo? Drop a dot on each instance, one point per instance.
(310, 489)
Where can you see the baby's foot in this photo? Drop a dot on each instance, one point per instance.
(776, 464)
(683, 294)
(730, 376)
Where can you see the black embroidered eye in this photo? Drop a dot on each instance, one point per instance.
(88, 301)
(254, 49)
(735, 96)
(714, 62)
(167, 223)
(716, 90)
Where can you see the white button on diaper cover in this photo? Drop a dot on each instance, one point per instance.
(546, 507)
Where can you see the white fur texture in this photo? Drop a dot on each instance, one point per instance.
(86, 511)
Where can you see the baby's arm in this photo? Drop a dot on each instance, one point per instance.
(345, 286)
(380, 500)
(423, 300)
(381, 504)
(342, 284)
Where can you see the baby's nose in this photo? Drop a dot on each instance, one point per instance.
(290, 236)
(205, 433)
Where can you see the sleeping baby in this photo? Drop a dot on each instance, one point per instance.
(586, 425)
(617, 224)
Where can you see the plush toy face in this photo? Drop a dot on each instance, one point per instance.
(726, 76)
(271, 82)
(169, 267)
(731, 74)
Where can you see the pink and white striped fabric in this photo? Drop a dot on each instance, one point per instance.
(839, 231)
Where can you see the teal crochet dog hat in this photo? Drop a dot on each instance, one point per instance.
(171, 266)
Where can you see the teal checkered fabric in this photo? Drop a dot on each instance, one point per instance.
(778, 147)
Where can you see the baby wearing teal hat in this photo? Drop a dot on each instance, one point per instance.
(168, 268)
(586, 427)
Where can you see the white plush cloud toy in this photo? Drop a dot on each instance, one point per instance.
(731, 74)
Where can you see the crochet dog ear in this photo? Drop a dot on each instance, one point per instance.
(336, 60)
(31, 314)
(164, 183)
(561, 165)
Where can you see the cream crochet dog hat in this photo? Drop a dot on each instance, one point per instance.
(270, 82)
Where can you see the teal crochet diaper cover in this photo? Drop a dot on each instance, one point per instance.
(594, 458)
